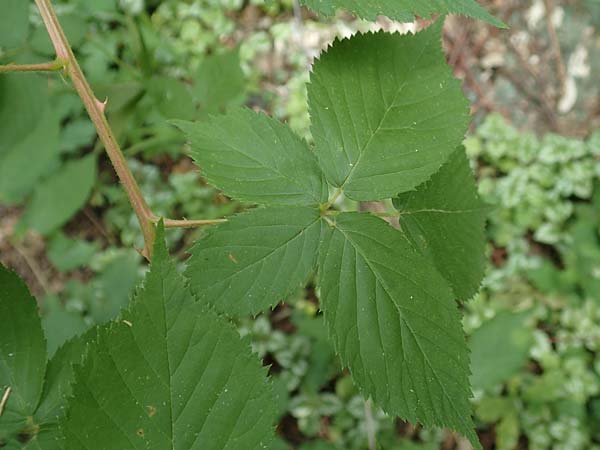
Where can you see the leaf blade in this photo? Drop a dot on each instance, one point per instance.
(403, 10)
(256, 259)
(169, 374)
(255, 158)
(445, 219)
(386, 112)
(395, 324)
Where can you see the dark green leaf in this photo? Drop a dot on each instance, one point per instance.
(255, 158)
(36, 401)
(256, 259)
(386, 112)
(445, 219)
(403, 10)
(169, 373)
(395, 324)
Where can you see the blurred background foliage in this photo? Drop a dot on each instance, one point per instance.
(534, 329)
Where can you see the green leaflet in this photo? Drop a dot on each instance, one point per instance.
(403, 10)
(169, 374)
(445, 219)
(386, 112)
(255, 158)
(36, 400)
(395, 324)
(256, 259)
(57, 198)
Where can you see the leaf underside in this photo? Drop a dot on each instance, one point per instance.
(169, 374)
(386, 112)
(255, 158)
(403, 10)
(256, 259)
(395, 324)
(445, 220)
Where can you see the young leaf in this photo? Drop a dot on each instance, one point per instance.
(403, 10)
(394, 323)
(36, 392)
(255, 158)
(445, 219)
(386, 112)
(57, 198)
(169, 373)
(256, 259)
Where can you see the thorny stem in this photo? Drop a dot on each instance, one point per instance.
(52, 66)
(95, 109)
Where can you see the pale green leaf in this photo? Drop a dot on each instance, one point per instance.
(500, 349)
(386, 112)
(220, 82)
(255, 158)
(394, 323)
(23, 99)
(14, 23)
(256, 259)
(445, 219)
(56, 199)
(403, 10)
(29, 159)
(169, 374)
(36, 401)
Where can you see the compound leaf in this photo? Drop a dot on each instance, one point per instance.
(386, 112)
(403, 10)
(169, 373)
(445, 219)
(256, 259)
(255, 158)
(36, 400)
(394, 323)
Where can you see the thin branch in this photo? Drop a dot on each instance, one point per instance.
(370, 425)
(95, 109)
(555, 43)
(169, 223)
(4, 399)
(52, 66)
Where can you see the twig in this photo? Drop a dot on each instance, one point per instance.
(33, 267)
(4, 399)
(95, 109)
(52, 66)
(370, 425)
(554, 42)
(170, 223)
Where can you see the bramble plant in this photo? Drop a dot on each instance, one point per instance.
(388, 120)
